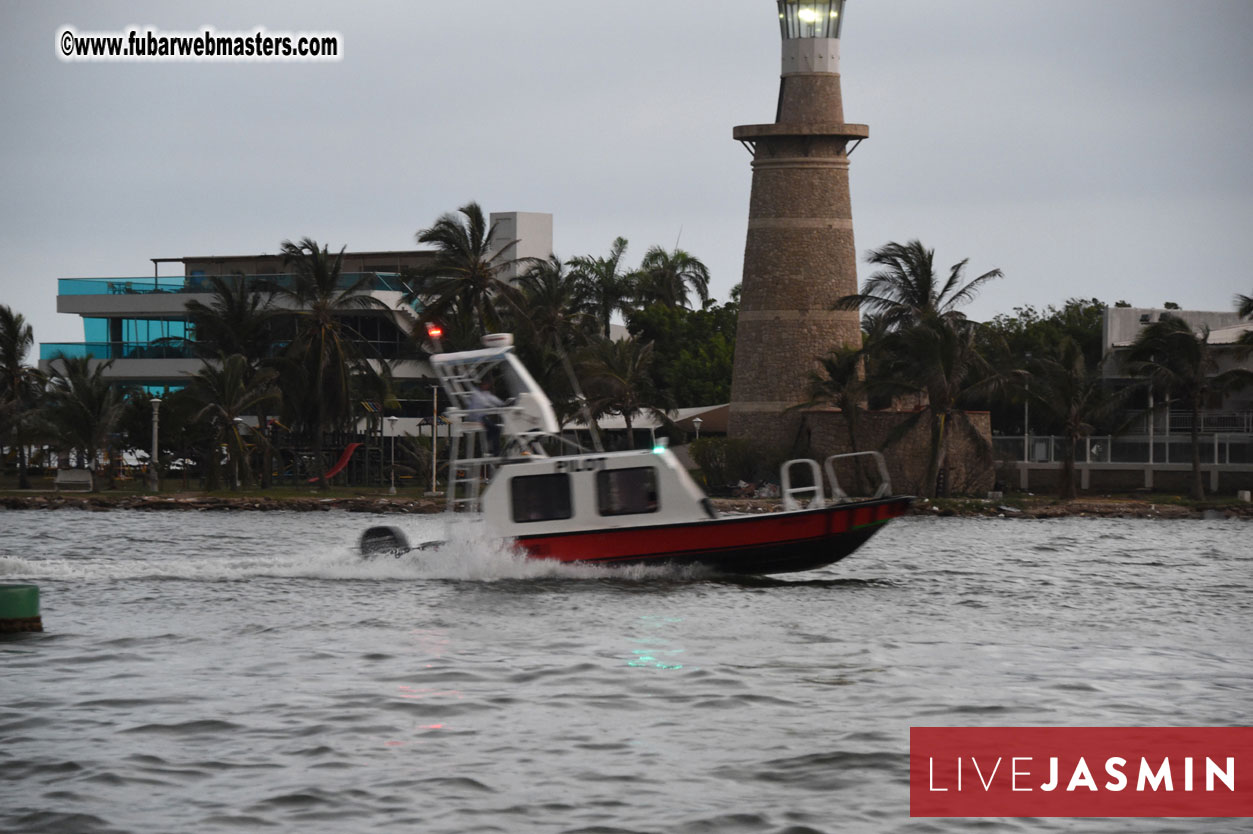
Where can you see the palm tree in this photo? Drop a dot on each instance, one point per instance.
(664, 278)
(1244, 305)
(906, 288)
(1179, 361)
(323, 345)
(840, 382)
(1074, 394)
(927, 347)
(939, 358)
(604, 289)
(546, 305)
(19, 383)
(229, 389)
(237, 320)
(618, 381)
(81, 406)
(551, 326)
(469, 271)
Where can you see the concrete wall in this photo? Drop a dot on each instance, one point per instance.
(1045, 478)
(382, 261)
(969, 465)
(533, 232)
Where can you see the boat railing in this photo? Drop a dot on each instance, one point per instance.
(838, 495)
(472, 461)
(808, 492)
(817, 500)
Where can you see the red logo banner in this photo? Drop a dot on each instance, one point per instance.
(1081, 771)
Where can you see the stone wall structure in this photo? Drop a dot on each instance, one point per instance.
(799, 256)
(968, 465)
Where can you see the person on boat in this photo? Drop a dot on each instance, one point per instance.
(481, 400)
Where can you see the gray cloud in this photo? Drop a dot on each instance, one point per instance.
(1088, 149)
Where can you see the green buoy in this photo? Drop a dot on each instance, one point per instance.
(19, 609)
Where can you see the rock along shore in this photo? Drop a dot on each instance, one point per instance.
(1032, 507)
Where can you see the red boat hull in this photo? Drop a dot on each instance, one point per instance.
(752, 544)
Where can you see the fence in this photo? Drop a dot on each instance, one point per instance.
(1128, 461)
(1180, 422)
(1214, 448)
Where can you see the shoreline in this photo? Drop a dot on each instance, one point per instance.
(1031, 507)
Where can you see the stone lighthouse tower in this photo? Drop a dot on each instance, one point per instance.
(799, 257)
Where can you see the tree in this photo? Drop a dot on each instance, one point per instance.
(468, 272)
(1181, 362)
(324, 347)
(1244, 306)
(938, 357)
(1036, 331)
(905, 289)
(604, 288)
(664, 278)
(81, 405)
(228, 389)
(19, 384)
(237, 320)
(550, 327)
(1073, 393)
(693, 351)
(546, 306)
(840, 382)
(618, 381)
(1011, 341)
(929, 347)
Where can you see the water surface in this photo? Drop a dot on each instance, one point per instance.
(215, 672)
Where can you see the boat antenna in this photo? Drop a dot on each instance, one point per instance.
(578, 392)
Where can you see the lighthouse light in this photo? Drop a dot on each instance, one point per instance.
(810, 18)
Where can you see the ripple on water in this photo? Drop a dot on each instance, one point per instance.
(239, 673)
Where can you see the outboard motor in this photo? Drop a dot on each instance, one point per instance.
(384, 540)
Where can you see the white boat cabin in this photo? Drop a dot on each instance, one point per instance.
(519, 486)
(639, 488)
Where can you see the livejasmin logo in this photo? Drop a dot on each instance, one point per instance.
(1081, 776)
(1081, 771)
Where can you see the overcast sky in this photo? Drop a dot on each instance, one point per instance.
(1087, 148)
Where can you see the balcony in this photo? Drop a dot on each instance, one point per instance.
(174, 349)
(378, 282)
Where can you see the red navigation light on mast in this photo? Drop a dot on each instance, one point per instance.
(433, 332)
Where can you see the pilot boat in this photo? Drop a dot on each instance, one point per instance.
(512, 471)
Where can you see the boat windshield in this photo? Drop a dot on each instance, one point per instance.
(461, 373)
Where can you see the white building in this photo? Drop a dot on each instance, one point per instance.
(1232, 412)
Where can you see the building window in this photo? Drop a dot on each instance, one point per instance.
(626, 491)
(541, 498)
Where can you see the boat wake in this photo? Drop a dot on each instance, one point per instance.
(468, 554)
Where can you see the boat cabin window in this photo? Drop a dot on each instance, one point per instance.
(541, 497)
(626, 491)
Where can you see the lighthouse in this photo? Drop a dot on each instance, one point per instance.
(799, 257)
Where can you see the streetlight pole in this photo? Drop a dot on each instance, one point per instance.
(239, 441)
(391, 490)
(154, 481)
(1026, 417)
(696, 421)
(434, 432)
